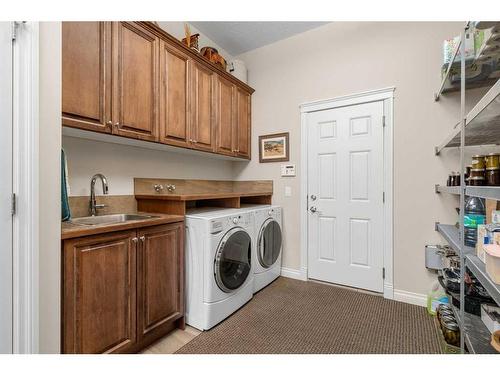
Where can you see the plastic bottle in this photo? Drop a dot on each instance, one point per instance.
(474, 215)
(435, 297)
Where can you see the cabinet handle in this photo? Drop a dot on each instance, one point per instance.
(142, 238)
(134, 240)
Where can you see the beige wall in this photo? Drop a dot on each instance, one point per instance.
(344, 58)
(120, 164)
(50, 186)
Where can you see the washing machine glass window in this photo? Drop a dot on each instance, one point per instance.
(233, 260)
(269, 243)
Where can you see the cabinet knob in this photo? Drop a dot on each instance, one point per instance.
(194, 141)
(109, 123)
(158, 188)
(142, 238)
(135, 239)
(117, 124)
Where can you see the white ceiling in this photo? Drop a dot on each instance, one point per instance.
(239, 37)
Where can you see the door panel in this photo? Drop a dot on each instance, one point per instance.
(6, 187)
(202, 107)
(174, 100)
(86, 75)
(160, 278)
(99, 306)
(135, 81)
(345, 169)
(243, 123)
(225, 122)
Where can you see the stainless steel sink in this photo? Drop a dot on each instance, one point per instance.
(110, 219)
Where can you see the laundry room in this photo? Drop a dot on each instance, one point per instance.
(308, 184)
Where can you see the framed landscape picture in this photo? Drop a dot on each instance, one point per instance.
(274, 148)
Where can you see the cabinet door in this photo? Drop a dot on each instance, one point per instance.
(86, 75)
(174, 98)
(225, 124)
(135, 81)
(160, 279)
(99, 293)
(243, 120)
(202, 107)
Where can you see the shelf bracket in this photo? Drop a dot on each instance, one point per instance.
(436, 225)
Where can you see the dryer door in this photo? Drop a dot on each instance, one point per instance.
(269, 243)
(233, 260)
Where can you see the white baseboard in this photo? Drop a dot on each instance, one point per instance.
(410, 297)
(294, 273)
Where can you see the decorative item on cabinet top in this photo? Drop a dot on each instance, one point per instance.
(174, 102)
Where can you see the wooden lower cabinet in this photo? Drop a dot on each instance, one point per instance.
(121, 291)
(160, 279)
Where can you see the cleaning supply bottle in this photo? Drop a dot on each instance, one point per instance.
(474, 215)
(436, 297)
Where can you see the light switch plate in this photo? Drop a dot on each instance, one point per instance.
(288, 170)
(288, 191)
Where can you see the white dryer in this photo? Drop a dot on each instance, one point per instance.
(219, 273)
(268, 245)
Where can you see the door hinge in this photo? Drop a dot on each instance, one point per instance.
(383, 121)
(383, 272)
(14, 28)
(13, 204)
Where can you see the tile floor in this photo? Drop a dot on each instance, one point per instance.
(172, 342)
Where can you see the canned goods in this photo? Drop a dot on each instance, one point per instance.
(478, 162)
(492, 161)
(476, 181)
(492, 177)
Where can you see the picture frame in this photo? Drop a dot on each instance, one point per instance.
(274, 148)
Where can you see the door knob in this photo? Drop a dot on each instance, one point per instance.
(313, 197)
(313, 209)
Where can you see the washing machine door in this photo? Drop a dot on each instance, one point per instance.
(269, 243)
(233, 260)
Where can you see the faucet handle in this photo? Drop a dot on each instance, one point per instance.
(158, 188)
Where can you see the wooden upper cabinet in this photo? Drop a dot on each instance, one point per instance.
(86, 75)
(99, 293)
(174, 96)
(202, 107)
(135, 80)
(160, 276)
(225, 117)
(243, 123)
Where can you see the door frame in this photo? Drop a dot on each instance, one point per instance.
(26, 188)
(385, 95)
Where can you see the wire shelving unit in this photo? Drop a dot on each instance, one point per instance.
(481, 126)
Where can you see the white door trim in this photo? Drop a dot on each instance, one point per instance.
(25, 186)
(387, 96)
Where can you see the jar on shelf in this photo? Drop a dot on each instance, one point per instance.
(492, 161)
(478, 162)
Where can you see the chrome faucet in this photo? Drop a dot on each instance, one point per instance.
(93, 205)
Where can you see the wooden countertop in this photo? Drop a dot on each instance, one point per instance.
(70, 230)
(201, 196)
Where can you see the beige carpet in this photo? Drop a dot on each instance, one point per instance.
(292, 316)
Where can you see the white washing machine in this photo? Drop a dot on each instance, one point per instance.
(267, 243)
(219, 273)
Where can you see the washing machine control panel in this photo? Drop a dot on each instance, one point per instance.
(218, 225)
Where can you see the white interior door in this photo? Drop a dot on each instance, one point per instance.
(5, 187)
(345, 195)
